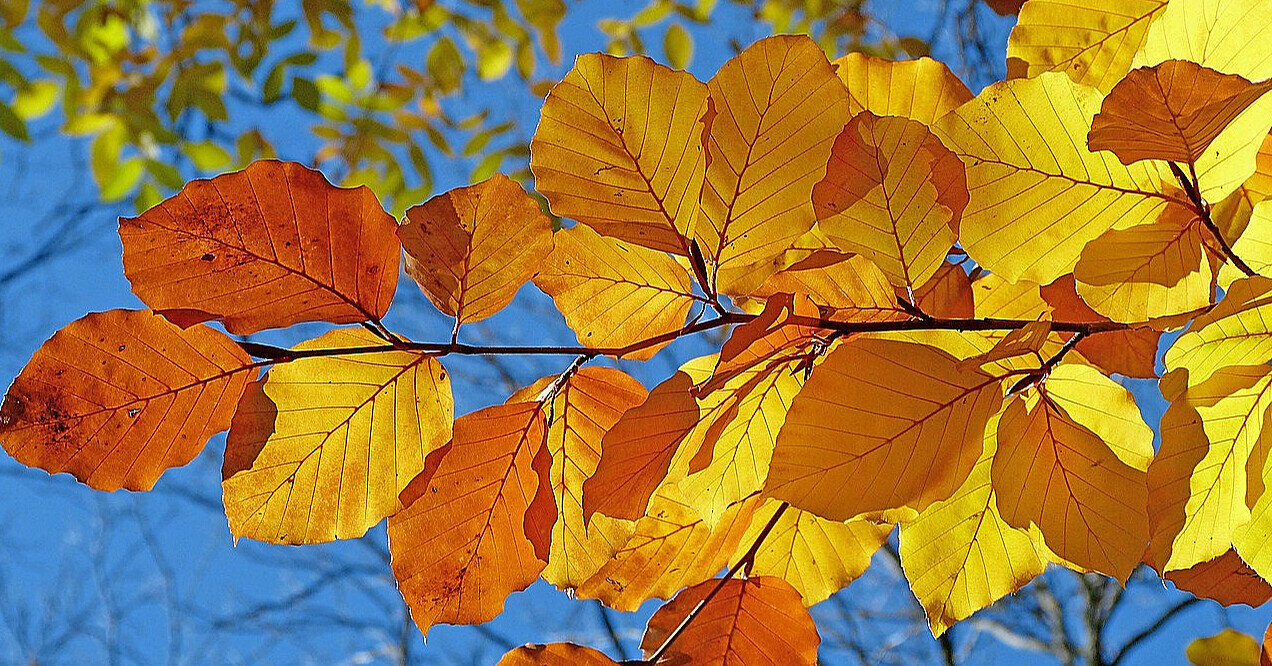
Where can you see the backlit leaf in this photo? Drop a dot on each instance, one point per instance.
(118, 397)
(612, 293)
(1235, 332)
(758, 620)
(879, 425)
(321, 447)
(1224, 35)
(460, 545)
(670, 549)
(472, 248)
(1105, 407)
(1226, 579)
(555, 654)
(1093, 41)
(844, 287)
(1038, 196)
(778, 107)
(818, 557)
(1130, 352)
(771, 338)
(1171, 111)
(266, 247)
(1050, 471)
(584, 408)
(894, 194)
(922, 89)
(1226, 648)
(947, 294)
(619, 148)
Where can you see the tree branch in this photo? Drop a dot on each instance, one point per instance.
(1203, 212)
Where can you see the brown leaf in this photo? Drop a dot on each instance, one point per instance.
(1128, 352)
(1226, 579)
(472, 248)
(266, 247)
(118, 397)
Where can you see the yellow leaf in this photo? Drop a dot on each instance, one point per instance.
(555, 654)
(116, 398)
(777, 109)
(1171, 111)
(614, 294)
(1090, 398)
(321, 447)
(770, 339)
(1225, 35)
(894, 194)
(1093, 41)
(879, 425)
(1038, 196)
(619, 148)
(583, 409)
(948, 294)
(1226, 648)
(472, 248)
(960, 556)
(461, 544)
(1254, 246)
(922, 89)
(1054, 473)
(1151, 270)
(670, 549)
(1127, 352)
(847, 287)
(818, 557)
(756, 620)
(1235, 332)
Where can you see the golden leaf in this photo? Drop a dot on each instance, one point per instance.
(845, 287)
(1234, 333)
(555, 654)
(922, 89)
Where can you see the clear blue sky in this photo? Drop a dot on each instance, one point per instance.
(161, 568)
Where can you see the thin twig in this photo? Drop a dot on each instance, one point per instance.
(1203, 212)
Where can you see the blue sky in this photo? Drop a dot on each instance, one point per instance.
(161, 569)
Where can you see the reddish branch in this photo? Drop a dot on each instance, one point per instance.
(1202, 207)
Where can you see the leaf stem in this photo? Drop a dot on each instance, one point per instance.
(745, 561)
(1192, 188)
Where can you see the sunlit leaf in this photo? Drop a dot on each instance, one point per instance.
(844, 287)
(1130, 352)
(321, 447)
(555, 654)
(922, 89)
(619, 148)
(118, 397)
(1234, 333)
(777, 109)
(269, 246)
(757, 620)
(880, 425)
(1226, 648)
(1226, 579)
(472, 248)
(613, 293)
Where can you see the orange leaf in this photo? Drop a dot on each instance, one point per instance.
(757, 620)
(1129, 352)
(266, 247)
(613, 294)
(769, 338)
(321, 447)
(619, 148)
(1170, 111)
(1226, 579)
(118, 397)
(880, 425)
(555, 654)
(461, 545)
(671, 548)
(894, 194)
(845, 287)
(778, 107)
(472, 248)
(1055, 473)
(947, 294)
(585, 407)
(637, 451)
(922, 89)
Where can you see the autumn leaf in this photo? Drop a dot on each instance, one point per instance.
(881, 424)
(460, 545)
(619, 148)
(1226, 648)
(1093, 41)
(1131, 352)
(582, 410)
(1254, 245)
(1171, 111)
(844, 287)
(818, 557)
(670, 549)
(894, 194)
(1050, 471)
(1105, 407)
(637, 451)
(749, 621)
(270, 246)
(116, 398)
(773, 337)
(946, 294)
(555, 654)
(777, 109)
(1038, 196)
(960, 556)
(1234, 333)
(472, 248)
(321, 447)
(1226, 579)
(614, 294)
(922, 89)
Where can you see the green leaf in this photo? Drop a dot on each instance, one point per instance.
(654, 12)
(445, 64)
(11, 124)
(494, 59)
(36, 99)
(123, 179)
(678, 46)
(487, 167)
(305, 93)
